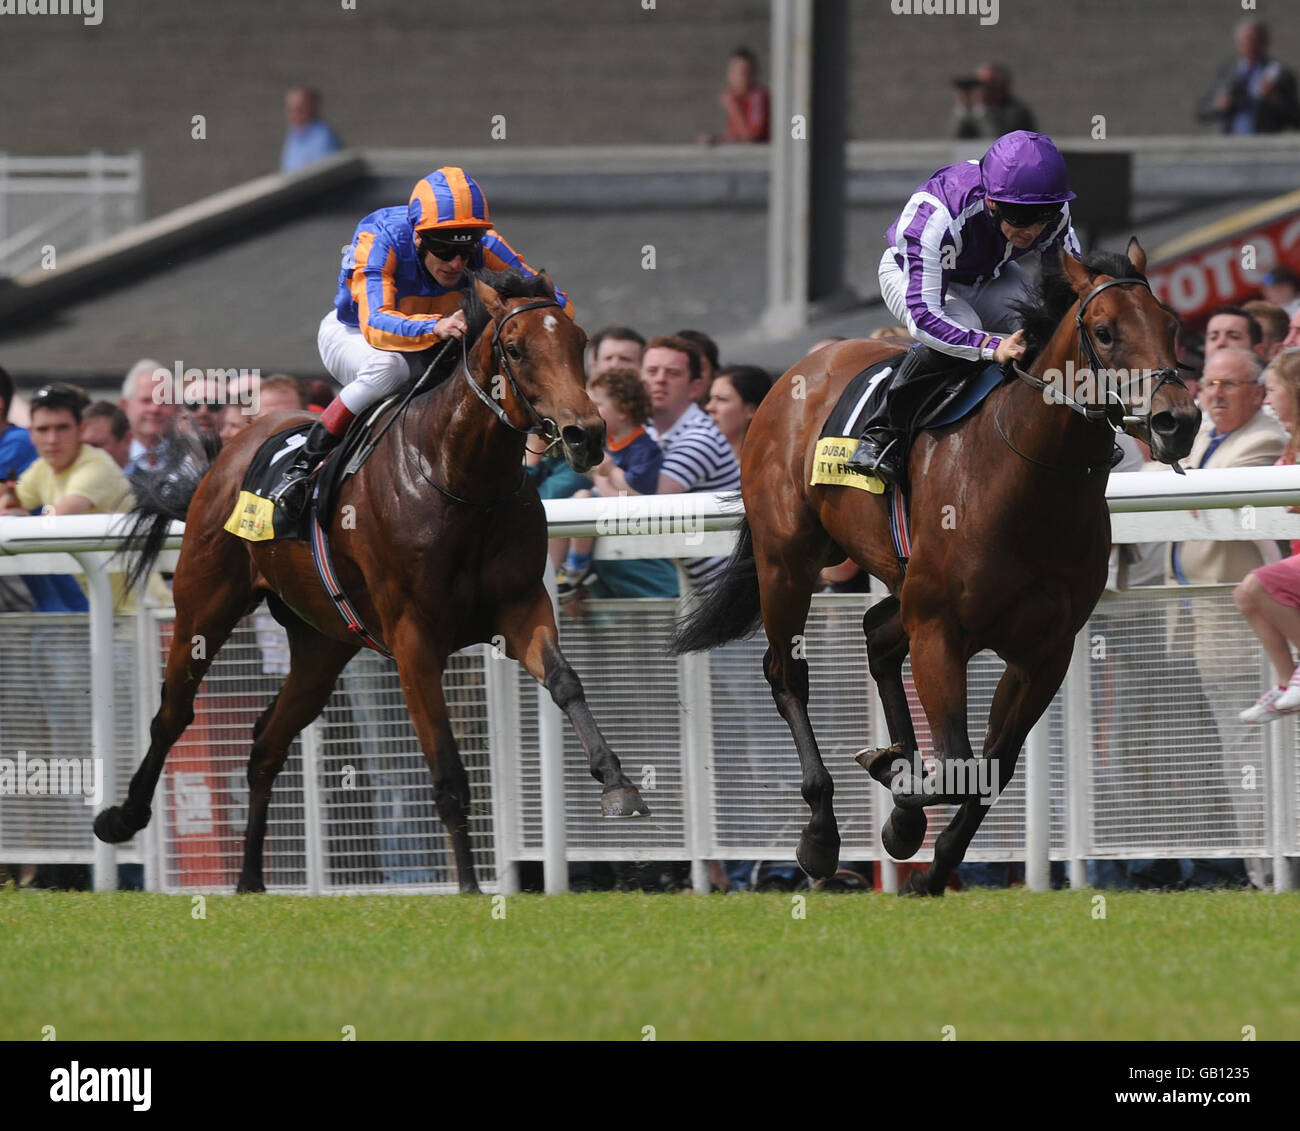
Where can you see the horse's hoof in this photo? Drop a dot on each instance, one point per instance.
(818, 858)
(623, 801)
(470, 888)
(250, 887)
(113, 826)
(903, 832)
(877, 762)
(917, 885)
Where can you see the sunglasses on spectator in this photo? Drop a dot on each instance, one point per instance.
(56, 396)
(209, 406)
(1027, 215)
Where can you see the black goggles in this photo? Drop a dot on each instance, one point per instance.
(449, 251)
(1027, 215)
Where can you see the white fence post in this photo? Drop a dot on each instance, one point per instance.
(1079, 756)
(555, 864)
(501, 686)
(695, 693)
(103, 673)
(313, 832)
(1038, 807)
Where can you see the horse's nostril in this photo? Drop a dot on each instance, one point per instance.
(573, 436)
(1164, 423)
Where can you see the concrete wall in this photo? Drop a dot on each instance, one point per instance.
(411, 73)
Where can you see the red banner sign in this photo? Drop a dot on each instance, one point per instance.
(1197, 281)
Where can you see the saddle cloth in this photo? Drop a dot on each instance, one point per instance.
(954, 397)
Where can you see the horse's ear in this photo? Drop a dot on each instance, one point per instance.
(1075, 273)
(488, 296)
(1136, 255)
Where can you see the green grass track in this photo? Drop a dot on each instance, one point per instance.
(993, 964)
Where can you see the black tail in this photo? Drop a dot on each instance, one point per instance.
(163, 497)
(727, 606)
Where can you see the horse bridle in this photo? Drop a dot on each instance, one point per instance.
(541, 426)
(1113, 412)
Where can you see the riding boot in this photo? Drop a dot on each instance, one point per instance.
(291, 495)
(880, 447)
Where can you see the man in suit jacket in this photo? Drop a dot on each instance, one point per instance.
(1237, 433)
(1252, 94)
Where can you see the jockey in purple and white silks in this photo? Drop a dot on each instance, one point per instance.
(949, 273)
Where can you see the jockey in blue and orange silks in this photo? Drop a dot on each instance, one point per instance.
(949, 273)
(399, 292)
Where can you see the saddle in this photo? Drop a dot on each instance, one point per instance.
(257, 519)
(942, 399)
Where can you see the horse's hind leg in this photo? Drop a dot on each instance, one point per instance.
(786, 584)
(314, 665)
(420, 666)
(887, 648)
(212, 592)
(1018, 704)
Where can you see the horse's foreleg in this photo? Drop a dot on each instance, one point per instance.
(212, 593)
(1018, 704)
(420, 666)
(314, 666)
(532, 639)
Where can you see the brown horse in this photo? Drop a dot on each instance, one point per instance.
(1010, 535)
(446, 548)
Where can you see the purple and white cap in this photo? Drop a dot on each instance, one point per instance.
(1025, 168)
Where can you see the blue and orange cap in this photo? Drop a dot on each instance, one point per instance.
(448, 201)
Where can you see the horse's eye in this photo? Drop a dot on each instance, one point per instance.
(512, 351)
(1103, 336)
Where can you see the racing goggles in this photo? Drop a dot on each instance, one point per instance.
(1027, 215)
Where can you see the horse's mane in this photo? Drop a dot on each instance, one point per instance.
(1042, 309)
(508, 284)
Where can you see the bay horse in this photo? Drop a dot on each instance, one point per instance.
(446, 547)
(1010, 535)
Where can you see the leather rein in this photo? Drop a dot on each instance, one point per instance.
(1113, 414)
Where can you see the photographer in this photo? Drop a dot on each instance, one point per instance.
(984, 106)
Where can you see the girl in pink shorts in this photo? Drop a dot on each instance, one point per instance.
(1269, 598)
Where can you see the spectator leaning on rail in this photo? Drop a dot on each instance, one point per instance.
(1237, 433)
(1251, 94)
(70, 477)
(308, 138)
(985, 108)
(1269, 597)
(697, 456)
(950, 272)
(632, 464)
(399, 292)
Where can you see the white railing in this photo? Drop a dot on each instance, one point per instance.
(64, 203)
(716, 795)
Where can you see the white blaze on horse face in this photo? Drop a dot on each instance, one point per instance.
(550, 323)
